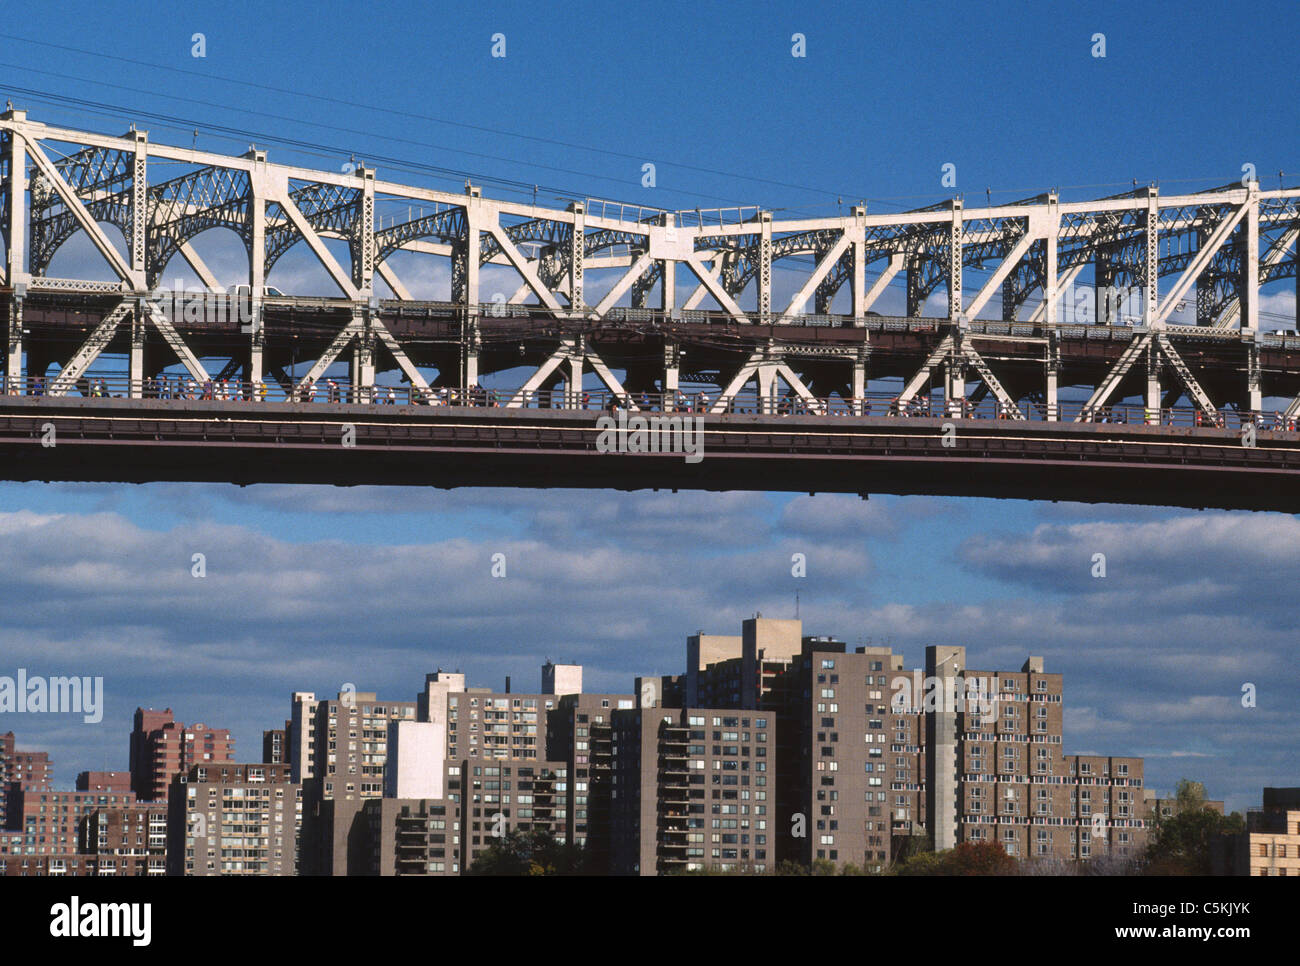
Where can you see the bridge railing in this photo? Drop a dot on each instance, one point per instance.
(172, 388)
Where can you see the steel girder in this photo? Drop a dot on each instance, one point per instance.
(1225, 241)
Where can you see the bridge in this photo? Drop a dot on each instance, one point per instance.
(1110, 349)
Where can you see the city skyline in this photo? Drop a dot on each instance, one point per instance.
(246, 735)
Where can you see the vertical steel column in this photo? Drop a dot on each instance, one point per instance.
(1152, 408)
(14, 356)
(361, 369)
(258, 188)
(1050, 397)
(955, 368)
(16, 276)
(1249, 297)
(860, 379)
(1051, 231)
(955, 303)
(16, 198)
(470, 252)
(765, 267)
(138, 240)
(954, 383)
(672, 372)
(363, 262)
(577, 252)
(858, 281)
(1103, 297)
(1249, 282)
(1151, 264)
(573, 381)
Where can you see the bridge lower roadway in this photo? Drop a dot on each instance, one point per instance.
(1174, 462)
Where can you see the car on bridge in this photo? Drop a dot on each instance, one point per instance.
(268, 291)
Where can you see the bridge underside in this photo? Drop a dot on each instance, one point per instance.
(128, 441)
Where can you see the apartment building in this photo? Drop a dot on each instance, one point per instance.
(275, 745)
(50, 822)
(499, 796)
(413, 836)
(103, 781)
(692, 788)
(163, 748)
(235, 819)
(339, 749)
(1271, 843)
(345, 741)
(872, 753)
(132, 837)
(20, 769)
(851, 767)
(739, 672)
(578, 732)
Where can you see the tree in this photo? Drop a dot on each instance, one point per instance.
(968, 858)
(979, 858)
(1180, 842)
(923, 863)
(530, 853)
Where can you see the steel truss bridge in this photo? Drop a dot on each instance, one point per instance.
(1007, 349)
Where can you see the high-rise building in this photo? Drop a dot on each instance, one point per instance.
(412, 837)
(275, 745)
(692, 788)
(132, 836)
(872, 754)
(850, 768)
(20, 770)
(339, 752)
(163, 748)
(234, 819)
(501, 795)
(578, 732)
(346, 741)
(739, 672)
(51, 822)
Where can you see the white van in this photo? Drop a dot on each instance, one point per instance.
(268, 291)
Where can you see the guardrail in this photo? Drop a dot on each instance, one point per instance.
(171, 388)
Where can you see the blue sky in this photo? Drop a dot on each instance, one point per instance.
(309, 588)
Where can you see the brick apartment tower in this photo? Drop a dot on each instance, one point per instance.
(162, 748)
